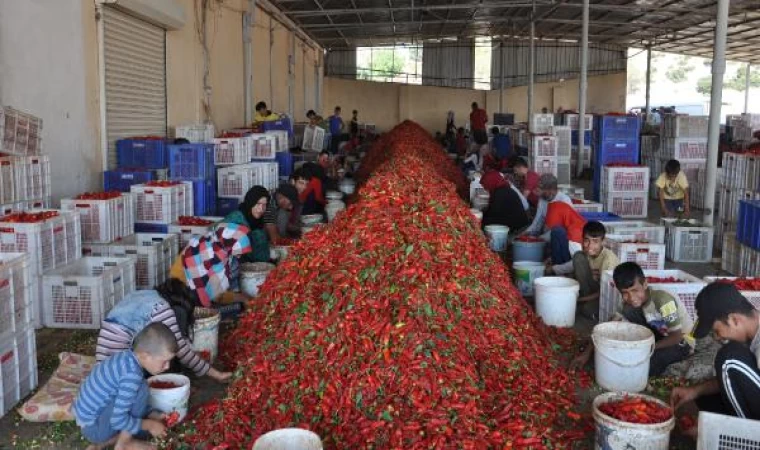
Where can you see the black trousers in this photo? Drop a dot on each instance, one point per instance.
(662, 357)
(739, 379)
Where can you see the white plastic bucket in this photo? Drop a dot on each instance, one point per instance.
(613, 434)
(288, 439)
(497, 236)
(556, 299)
(253, 275)
(526, 272)
(528, 251)
(621, 356)
(333, 195)
(333, 208)
(206, 333)
(309, 220)
(170, 400)
(347, 186)
(480, 202)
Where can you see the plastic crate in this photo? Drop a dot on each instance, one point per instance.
(231, 151)
(748, 223)
(285, 163)
(80, 294)
(204, 197)
(625, 179)
(225, 206)
(18, 369)
(122, 179)
(689, 244)
(571, 120)
(749, 261)
(8, 179)
(564, 171)
(731, 254)
(282, 140)
(237, 180)
(314, 139)
(543, 146)
(627, 204)
(153, 255)
(588, 207)
(187, 232)
(648, 256)
(637, 229)
(684, 126)
(540, 123)
(603, 217)
(572, 191)
(151, 227)
(611, 301)
(32, 177)
(162, 205)
(618, 151)
(562, 134)
(718, 432)
(20, 133)
(752, 296)
(586, 156)
(191, 162)
(545, 165)
(103, 221)
(618, 128)
(685, 148)
(283, 123)
(196, 133)
(16, 310)
(142, 153)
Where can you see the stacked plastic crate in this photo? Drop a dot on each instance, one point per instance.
(625, 188)
(562, 134)
(542, 151)
(18, 350)
(740, 181)
(194, 164)
(139, 160)
(236, 173)
(637, 241)
(748, 235)
(650, 157)
(577, 147)
(684, 138)
(160, 203)
(616, 141)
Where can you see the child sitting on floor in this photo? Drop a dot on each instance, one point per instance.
(588, 265)
(112, 406)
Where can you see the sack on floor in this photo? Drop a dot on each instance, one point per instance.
(52, 403)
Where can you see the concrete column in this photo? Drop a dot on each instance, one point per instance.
(501, 77)
(716, 97)
(746, 88)
(531, 66)
(248, 22)
(582, 88)
(648, 82)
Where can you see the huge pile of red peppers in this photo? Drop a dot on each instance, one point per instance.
(394, 327)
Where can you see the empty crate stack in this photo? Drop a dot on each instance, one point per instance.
(650, 157)
(194, 164)
(236, 173)
(139, 160)
(617, 141)
(684, 138)
(160, 203)
(625, 189)
(543, 153)
(562, 135)
(580, 151)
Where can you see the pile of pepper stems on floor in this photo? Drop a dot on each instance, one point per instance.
(395, 327)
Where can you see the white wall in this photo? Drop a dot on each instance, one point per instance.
(46, 70)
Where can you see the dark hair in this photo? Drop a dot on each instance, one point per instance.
(594, 229)
(310, 113)
(626, 275)
(181, 141)
(324, 152)
(355, 112)
(182, 300)
(337, 108)
(672, 167)
(460, 129)
(474, 104)
(261, 105)
(301, 174)
(495, 130)
(155, 339)
(519, 161)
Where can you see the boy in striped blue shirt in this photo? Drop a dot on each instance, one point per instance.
(112, 407)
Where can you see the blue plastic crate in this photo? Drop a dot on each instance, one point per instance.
(121, 180)
(617, 127)
(285, 162)
(151, 228)
(748, 223)
(619, 151)
(279, 124)
(204, 197)
(225, 206)
(142, 153)
(601, 217)
(191, 162)
(574, 137)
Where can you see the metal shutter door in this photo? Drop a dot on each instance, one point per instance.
(135, 78)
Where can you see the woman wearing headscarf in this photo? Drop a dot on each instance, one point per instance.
(250, 214)
(285, 214)
(171, 303)
(504, 204)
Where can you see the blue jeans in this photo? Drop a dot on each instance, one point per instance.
(101, 431)
(560, 246)
(674, 205)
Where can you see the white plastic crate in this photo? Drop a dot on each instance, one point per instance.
(650, 145)
(752, 296)
(626, 204)
(153, 254)
(10, 208)
(564, 142)
(731, 254)
(611, 301)
(7, 179)
(749, 261)
(742, 170)
(283, 139)
(588, 207)
(542, 146)
(230, 151)
(541, 123)
(684, 126)
(647, 255)
(162, 205)
(625, 179)
(187, 232)
(32, 177)
(586, 155)
(235, 181)
(16, 312)
(264, 145)
(728, 208)
(718, 432)
(80, 294)
(564, 171)
(572, 121)
(572, 191)
(689, 243)
(20, 133)
(684, 148)
(637, 229)
(196, 133)
(103, 221)
(545, 165)
(313, 139)
(18, 369)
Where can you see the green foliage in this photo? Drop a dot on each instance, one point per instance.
(678, 72)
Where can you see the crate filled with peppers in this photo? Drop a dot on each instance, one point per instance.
(749, 287)
(394, 327)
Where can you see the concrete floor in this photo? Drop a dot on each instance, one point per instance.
(15, 433)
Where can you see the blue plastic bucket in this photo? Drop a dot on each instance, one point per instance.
(528, 251)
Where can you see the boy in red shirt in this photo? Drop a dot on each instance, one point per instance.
(529, 178)
(478, 120)
(566, 226)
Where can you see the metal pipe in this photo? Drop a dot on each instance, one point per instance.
(501, 77)
(248, 21)
(648, 83)
(746, 87)
(531, 66)
(716, 97)
(102, 85)
(582, 88)
(292, 76)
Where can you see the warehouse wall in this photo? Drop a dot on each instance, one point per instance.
(385, 104)
(49, 67)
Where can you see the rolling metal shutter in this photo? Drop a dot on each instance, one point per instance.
(135, 78)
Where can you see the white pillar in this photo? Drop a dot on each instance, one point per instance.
(746, 88)
(248, 21)
(531, 66)
(292, 77)
(716, 97)
(501, 77)
(582, 88)
(648, 83)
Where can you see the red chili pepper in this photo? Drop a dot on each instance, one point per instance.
(636, 410)
(172, 419)
(163, 385)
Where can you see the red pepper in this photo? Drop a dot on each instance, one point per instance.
(172, 419)
(636, 410)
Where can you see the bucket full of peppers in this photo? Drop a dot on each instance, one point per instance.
(632, 421)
